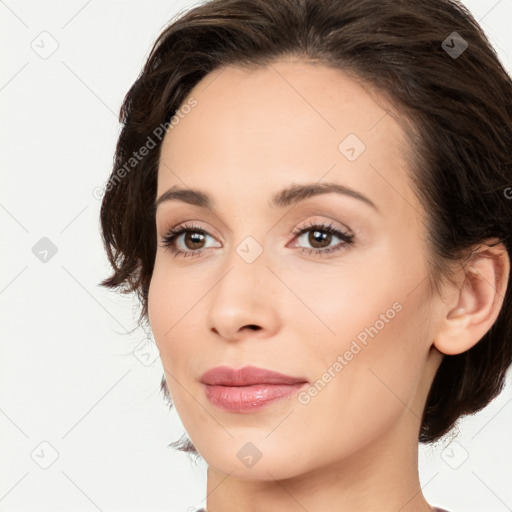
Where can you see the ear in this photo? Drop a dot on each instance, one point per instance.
(476, 296)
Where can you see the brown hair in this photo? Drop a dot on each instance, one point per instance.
(458, 107)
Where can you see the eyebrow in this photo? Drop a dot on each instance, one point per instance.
(285, 197)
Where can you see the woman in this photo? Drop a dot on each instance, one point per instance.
(312, 201)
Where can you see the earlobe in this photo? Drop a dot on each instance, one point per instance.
(477, 299)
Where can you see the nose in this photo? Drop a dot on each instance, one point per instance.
(245, 302)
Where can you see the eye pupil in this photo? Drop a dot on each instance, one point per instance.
(316, 237)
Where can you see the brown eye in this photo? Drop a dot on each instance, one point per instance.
(318, 239)
(186, 240)
(194, 240)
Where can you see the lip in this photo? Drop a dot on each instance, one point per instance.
(246, 376)
(249, 388)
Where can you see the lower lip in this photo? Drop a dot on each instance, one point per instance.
(249, 398)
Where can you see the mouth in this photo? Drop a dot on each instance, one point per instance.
(248, 389)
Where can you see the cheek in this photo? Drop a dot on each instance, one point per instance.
(172, 292)
(167, 316)
(171, 300)
(358, 398)
(364, 290)
(177, 313)
(369, 340)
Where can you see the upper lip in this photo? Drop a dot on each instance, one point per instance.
(246, 376)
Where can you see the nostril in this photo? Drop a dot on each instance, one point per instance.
(254, 327)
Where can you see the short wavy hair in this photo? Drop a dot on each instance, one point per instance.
(431, 60)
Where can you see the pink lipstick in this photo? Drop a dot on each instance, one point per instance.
(249, 388)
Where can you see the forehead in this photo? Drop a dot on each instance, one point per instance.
(289, 121)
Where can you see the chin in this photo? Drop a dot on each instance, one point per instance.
(262, 461)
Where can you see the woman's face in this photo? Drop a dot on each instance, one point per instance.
(349, 311)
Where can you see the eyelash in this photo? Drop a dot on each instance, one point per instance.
(168, 241)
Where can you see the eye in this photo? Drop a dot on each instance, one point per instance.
(193, 240)
(321, 236)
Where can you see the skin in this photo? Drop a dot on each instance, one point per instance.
(354, 446)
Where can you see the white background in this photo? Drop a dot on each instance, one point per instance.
(68, 376)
